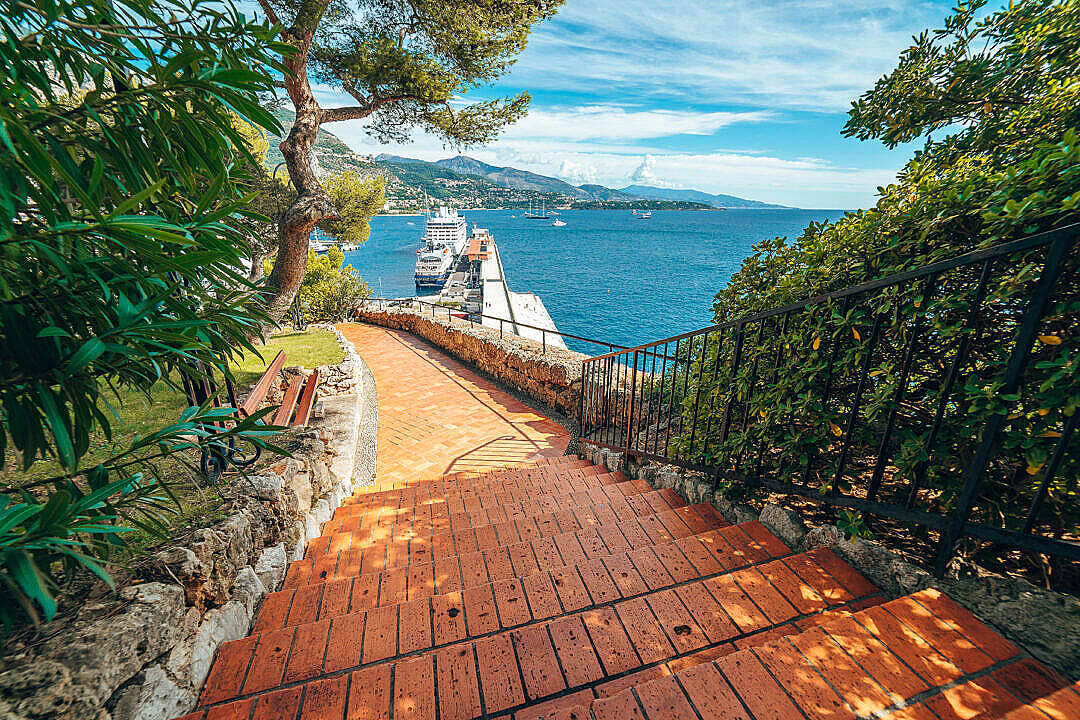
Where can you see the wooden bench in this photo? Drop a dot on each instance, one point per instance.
(294, 411)
(296, 405)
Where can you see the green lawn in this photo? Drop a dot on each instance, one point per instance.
(307, 349)
(141, 414)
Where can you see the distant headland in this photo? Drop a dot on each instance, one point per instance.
(465, 182)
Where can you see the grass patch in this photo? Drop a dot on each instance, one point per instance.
(308, 349)
(142, 413)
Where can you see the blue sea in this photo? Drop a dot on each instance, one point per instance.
(606, 275)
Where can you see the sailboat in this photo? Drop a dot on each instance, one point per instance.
(533, 215)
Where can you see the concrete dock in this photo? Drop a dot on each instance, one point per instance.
(516, 309)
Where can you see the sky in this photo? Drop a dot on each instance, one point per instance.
(735, 97)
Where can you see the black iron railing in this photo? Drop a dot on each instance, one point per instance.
(945, 396)
(451, 312)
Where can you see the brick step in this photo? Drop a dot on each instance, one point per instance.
(923, 647)
(516, 529)
(518, 476)
(544, 544)
(470, 499)
(534, 468)
(574, 511)
(636, 520)
(571, 461)
(343, 661)
(647, 565)
(1021, 690)
(605, 532)
(445, 514)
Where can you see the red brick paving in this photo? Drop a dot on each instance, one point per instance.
(474, 582)
(437, 416)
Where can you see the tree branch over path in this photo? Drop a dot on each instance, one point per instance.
(403, 61)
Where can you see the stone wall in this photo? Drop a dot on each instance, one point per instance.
(1045, 623)
(552, 377)
(144, 653)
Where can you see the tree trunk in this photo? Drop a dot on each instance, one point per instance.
(312, 204)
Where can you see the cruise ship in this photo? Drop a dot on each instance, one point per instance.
(444, 240)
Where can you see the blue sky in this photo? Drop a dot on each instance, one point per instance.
(737, 97)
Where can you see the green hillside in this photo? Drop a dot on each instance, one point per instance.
(412, 185)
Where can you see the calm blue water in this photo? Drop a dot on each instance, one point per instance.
(606, 275)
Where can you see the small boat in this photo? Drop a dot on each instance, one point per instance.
(558, 223)
(645, 215)
(319, 241)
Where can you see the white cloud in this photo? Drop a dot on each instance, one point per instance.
(807, 54)
(642, 91)
(577, 172)
(807, 182)
(612, 123)
(803, 182)
(644, 172)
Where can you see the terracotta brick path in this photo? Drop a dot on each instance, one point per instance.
(555, 589)
(437, 416)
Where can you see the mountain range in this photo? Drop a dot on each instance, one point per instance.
(523, 179)
(467, 182)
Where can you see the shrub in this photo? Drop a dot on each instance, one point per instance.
(122, 179)
(1006, 88)
(357, 200)
(331, 288)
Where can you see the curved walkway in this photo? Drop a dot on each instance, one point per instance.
(438, 416)
(559, 591)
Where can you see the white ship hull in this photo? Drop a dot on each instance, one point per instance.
(445, 239)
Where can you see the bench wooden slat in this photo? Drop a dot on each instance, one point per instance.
(288, 403)
(307, 399)
(262, 387)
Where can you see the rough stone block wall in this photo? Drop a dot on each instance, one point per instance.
(552, 377)
(144, 654)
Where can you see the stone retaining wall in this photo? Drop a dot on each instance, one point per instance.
(145, 653)
(552, 377)
(1045, 623)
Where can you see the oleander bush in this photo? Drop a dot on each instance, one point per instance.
(997, 102)
(123, 181)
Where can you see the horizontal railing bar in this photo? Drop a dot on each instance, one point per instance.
(492, 317)
(1014, 538)
(615, 428)
(895, 279)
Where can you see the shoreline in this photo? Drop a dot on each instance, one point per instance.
(732, 209)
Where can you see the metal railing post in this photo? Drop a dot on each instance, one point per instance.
(1025, 339)
(630, 409)
(581, 402)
